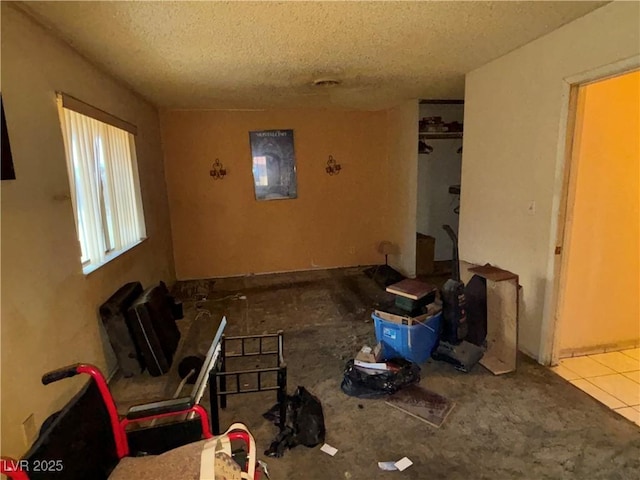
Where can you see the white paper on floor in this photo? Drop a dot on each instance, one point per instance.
(328, 449)
(401, 465)
(387, 466)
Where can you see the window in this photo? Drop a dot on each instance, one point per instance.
(103, 176)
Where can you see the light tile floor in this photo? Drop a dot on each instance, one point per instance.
(612, 378)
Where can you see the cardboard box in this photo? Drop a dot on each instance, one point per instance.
(370, 355)
(425, 251)
(396, 315)
(370, 358)
(502, 316)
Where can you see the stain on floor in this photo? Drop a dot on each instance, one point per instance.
(530, 424)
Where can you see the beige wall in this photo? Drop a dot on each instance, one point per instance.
(219, 229)
(49, 308)
(513, 152)
(601, 304)
(402, 185)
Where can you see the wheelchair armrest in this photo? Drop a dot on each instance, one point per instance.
(153, 409)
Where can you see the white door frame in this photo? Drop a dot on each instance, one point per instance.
(562, 206)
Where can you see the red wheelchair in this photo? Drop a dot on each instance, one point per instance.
(87, 439)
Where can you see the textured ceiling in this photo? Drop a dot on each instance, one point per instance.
(266, 54)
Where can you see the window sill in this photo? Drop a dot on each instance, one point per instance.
(89, 269)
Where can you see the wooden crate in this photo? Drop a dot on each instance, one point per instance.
(502, 316)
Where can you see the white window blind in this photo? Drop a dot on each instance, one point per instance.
(103, 176)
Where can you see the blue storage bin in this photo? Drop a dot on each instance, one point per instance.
(412, 342)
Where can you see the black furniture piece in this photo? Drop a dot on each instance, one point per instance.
(220, 376)
(154, 330)
(141, 327)
(113, 313)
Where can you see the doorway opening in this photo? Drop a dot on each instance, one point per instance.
(438, 192)
(597, 329)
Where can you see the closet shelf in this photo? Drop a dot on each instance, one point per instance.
(440, 135)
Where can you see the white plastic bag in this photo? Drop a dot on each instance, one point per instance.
(216, 462)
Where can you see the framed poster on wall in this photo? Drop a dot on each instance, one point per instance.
(274, 164)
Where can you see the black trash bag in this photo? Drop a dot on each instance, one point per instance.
(304, 424)
(308, 419)
(358, 383)
(273, 414)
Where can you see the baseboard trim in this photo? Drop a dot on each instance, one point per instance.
(313, 269)
(603, 348)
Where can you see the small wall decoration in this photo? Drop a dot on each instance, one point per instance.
(217, 171)
(333, 167)
(274, 164)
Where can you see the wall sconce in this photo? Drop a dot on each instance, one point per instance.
(332, 168)
(217, 170)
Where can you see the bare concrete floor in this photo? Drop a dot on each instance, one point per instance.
(527, 425)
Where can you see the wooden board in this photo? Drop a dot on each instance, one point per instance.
(413, 289)
(502, 333)
(502, 316)
(492, 273)
(423, 404)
